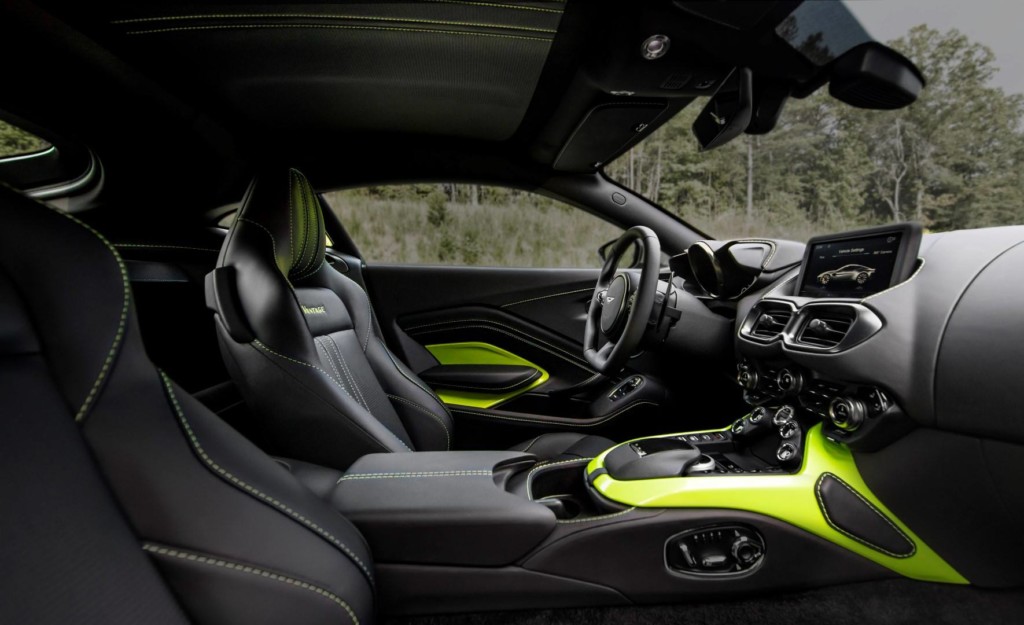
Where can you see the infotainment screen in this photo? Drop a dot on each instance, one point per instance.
(859, 263)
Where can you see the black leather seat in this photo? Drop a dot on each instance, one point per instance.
(302, 342)
(125, 500)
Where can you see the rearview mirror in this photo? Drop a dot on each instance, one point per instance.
(631, 258)
(873, 76)
(728, 112)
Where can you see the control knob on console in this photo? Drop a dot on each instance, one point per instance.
(783, 414)
(746, 551)
(789, 382)
(747, 378)
(846, 413)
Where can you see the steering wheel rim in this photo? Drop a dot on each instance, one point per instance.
(611, 357)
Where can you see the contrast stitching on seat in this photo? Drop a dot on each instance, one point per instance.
(166, 247)
(291, 218)
(871, 506)
(252, 570)
(534, 299)
(447, 434)
(122, 321)
(348, 373)
(370, 18)
(547, 465)
(497, 6)
(415, 474)
(262, 346)
(595, 518)
(529, 340)
(273, 241)
(190, 434)
(318, 341)
(311, 273)
(333, 27)
(560, 423)
(369, 314)
(401, 370)
(308, 215)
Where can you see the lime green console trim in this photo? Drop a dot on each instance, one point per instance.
(791, 498)
(473, 353)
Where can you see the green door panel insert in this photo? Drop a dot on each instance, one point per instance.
(474, 353)
(791, 498)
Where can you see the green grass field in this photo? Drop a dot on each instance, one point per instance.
(522, 232)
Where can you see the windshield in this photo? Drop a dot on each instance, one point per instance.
(950, 161)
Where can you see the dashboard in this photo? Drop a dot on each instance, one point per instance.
(878, 331)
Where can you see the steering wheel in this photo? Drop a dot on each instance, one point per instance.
(622, 304)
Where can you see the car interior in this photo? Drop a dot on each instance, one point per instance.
(216, 408)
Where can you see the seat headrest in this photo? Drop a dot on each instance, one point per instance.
(284, 204)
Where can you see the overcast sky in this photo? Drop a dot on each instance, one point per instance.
(999, 24)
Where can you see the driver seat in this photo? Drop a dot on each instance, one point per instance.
(301, 341)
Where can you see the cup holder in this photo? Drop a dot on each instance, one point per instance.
(563, 489)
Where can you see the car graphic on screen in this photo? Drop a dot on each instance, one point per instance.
(853, 273)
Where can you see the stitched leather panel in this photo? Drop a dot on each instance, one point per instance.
(177, 473)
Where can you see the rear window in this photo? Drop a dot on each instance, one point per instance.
(16, 142)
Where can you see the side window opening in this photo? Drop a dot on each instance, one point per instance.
(17, 142)
(466, 224)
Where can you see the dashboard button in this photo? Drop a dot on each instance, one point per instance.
(789, 429)
(782, 415)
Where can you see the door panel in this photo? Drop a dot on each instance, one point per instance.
(537, 316)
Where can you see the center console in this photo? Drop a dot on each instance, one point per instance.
(775, 500)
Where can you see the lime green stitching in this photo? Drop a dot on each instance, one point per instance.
(291, 218)
(262, 346)
(333, 27)
(311, 273)
(165, 247)
(497, 6)
(447, 434)
(545, 465)
(248, 488)
(413, 474)
(252, 570)
(172, 18)
(119, 335)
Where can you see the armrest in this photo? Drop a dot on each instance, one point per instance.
(443, 507)
(480, 378)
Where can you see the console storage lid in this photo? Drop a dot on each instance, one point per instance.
(442, 507)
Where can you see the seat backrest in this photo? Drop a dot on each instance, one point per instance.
(124, 500)
(301, 341)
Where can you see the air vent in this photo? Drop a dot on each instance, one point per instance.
(824, 329)
(770, 323)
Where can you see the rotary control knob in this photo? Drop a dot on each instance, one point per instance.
(846, 413)
(786, 452)
(747, 378)
(789, 382)
(788, 429)
(746, 552)
(783, 414)
(759, 414)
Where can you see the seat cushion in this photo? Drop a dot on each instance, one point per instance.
(564, 446)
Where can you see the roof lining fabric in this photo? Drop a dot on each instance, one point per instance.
(434, 67)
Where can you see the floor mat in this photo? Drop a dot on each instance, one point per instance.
(889, 602)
